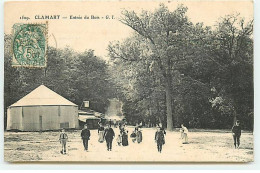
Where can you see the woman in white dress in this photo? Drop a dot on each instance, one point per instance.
(101, 132)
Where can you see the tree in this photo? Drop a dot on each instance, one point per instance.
(167, 37)
(75, 76)
(231, 49)
(185, 61)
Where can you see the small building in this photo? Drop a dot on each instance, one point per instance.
(89, 117)
(40, 110)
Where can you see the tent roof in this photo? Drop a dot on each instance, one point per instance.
(42, 96)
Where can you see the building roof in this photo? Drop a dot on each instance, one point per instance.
(42, 96)
(84, 118)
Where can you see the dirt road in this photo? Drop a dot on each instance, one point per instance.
(205, 146)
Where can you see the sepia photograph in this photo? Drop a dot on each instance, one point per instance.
(129, 81)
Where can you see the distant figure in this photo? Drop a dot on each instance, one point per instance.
(185, 134)
(159, 138)
(139, 136)
(133, 136)
(124, 134)
(63, 140)
(109, 136)
(236, 132)
(101, 121)
(182, 133)
(124, 122)
(85, 136)
(101, 131)
(120, 126)
(115, 125)
(119, 140)
(140, 124)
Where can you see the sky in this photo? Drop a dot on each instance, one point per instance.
(82, 34)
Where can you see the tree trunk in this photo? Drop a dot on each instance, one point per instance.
(169, 105)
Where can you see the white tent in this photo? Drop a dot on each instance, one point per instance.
(42, 109)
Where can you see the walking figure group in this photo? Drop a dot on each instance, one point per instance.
(137, 135)
(107, 134)
(123, 135)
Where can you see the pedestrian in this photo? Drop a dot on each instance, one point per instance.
(101, 131)
(159, 138)
(140, 124)
(115, 123)
(182, 133)
(122, 129)
(109, 136)
(120, 125)
(185, 134)
(85, 136)
(63, 140)
(236, 132)
(124, 133)
(119, 140)
(139, 136)
(133, 136)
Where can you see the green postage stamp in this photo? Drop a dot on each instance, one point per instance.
(29, 45)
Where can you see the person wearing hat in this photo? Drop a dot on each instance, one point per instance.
(101, 132)
(109, 136)
(124, 134)
(85, 136)
(139, 135)
(236, 132)
(159, 138)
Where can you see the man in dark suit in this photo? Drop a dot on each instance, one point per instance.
(236, 132)
(109, 136)
(85, 134)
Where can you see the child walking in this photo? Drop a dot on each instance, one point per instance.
(63, 140)
(119, 140)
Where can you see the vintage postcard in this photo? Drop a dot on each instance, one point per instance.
(128, 81)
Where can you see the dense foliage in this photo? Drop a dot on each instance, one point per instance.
(168, 71)
(76, 76)
(180, 72)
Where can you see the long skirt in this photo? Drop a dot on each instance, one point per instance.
(124, 140)
(101, 136)
(185, 138)
(139, 137)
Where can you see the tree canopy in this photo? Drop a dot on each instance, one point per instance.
(180, 72)
(169, 71)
